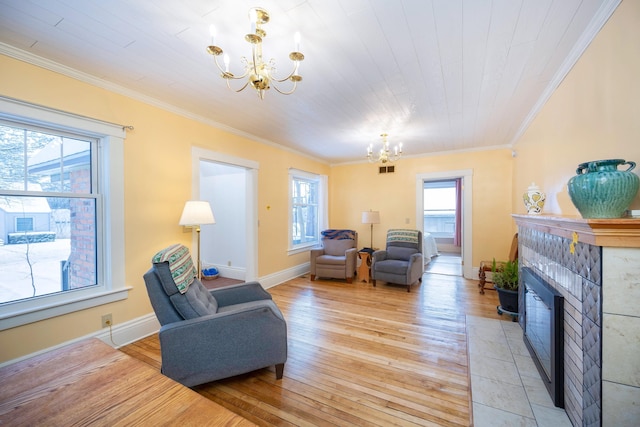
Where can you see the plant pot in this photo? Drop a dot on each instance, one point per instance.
(508, 300)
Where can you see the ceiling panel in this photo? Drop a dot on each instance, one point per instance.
(437, 75)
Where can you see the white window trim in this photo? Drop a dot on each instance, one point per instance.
(323, 209)
(111, 228)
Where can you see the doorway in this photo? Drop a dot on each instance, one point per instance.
(442, 226)
(229, 184)
(453, 232)
(443, 213)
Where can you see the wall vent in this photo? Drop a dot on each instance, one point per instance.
(386, 169)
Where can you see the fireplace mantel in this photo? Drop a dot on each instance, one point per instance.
(615, 232)
(595, 265)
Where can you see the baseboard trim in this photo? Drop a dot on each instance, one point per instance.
(232, 272)
(282, 276)
(128, 332)
(470, 273)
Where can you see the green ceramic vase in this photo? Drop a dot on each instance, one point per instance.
(600, 190)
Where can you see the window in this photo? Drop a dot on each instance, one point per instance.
(308, 209)
(24, 224)
(49, 176)
(440, 208)
(61, 239)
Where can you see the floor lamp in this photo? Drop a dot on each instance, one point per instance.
(371, 217)
(195, 214)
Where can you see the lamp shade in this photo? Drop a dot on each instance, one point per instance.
(371, 217)
(197, 212)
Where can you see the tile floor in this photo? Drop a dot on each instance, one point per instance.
(506, 388)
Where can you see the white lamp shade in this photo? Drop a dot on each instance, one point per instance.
(197, 212)
(371, 217)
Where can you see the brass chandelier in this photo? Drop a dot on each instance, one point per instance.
(385, 155)
(260, 75)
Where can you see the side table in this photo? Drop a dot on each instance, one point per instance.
(365, 266)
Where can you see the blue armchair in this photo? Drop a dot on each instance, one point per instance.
(401, 263)
(208, 335)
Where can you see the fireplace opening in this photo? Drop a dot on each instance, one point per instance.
(544, 332)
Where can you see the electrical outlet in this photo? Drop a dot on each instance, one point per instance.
(107, 320)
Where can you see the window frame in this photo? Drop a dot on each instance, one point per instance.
(111, 285)
(321, 180)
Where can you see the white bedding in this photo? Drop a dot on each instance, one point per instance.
(430, 249)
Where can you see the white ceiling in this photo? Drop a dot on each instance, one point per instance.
(436, 75)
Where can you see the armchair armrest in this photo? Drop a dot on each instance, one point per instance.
(416, 266)
(351, 262)
(378, 256)
(316, 252)
(313, 254)
(417, 257)
(240, 293)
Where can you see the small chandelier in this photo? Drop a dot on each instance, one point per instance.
(384, 155)
(260, 74)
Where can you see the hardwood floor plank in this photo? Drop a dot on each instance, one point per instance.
(243, 406)
(360, 355)
(292, 406)
(396, 403)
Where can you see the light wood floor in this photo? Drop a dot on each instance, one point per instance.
(360, 355)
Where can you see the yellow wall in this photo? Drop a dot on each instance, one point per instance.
(594, 114)
(357, 188)
(157, 183)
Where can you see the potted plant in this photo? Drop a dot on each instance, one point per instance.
(505, 281)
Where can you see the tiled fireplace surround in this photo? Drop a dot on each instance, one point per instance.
(595, 265)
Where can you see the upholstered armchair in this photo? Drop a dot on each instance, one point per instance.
(338, 256)
(401, 262)
(207, 335)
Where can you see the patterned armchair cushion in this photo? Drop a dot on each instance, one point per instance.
(337, 234)
(183, 272)
(404, 236)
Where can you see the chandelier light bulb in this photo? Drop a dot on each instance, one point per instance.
(226, 63)
(296, 40)
(253, 17)
(212, 32)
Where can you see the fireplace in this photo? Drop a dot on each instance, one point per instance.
(544, 332)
